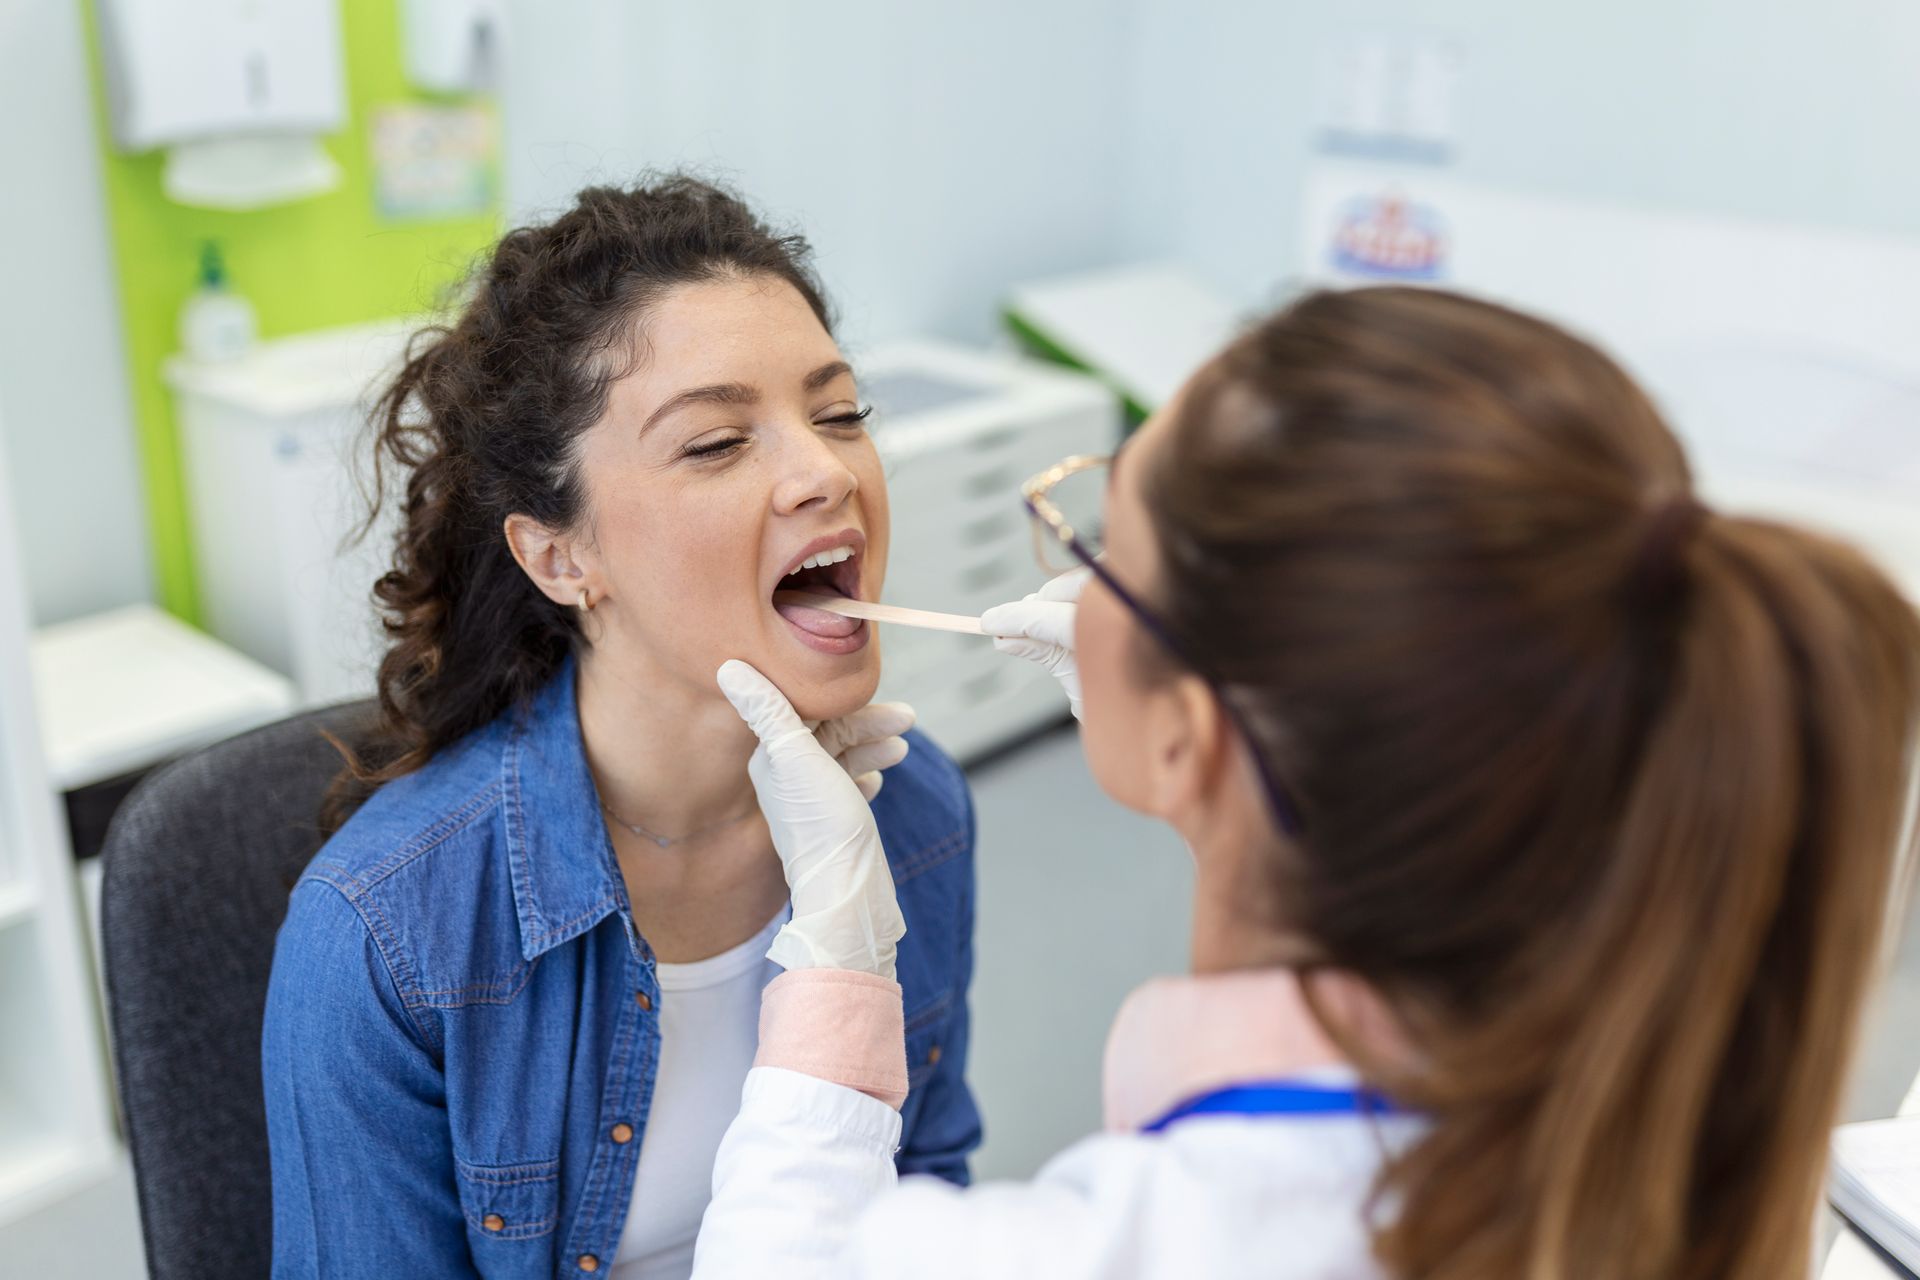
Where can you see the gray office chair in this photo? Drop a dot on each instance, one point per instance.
(198, 865)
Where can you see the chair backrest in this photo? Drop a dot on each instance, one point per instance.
(199, 862)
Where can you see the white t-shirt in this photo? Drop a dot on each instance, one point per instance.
(709, 1031)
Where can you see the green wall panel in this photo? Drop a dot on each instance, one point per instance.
(329, 260)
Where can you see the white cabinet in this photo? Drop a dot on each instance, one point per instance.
(959, 430)
(274, 460)
(55, 1113)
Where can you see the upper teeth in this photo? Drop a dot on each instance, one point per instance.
(825, 558)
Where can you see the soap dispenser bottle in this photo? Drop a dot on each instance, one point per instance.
(216, 323)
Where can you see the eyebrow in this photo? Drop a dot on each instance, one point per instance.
(826, 373)
(739, 392)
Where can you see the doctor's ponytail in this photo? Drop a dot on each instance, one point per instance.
(1603, 792)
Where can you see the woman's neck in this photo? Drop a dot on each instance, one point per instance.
(665, 757)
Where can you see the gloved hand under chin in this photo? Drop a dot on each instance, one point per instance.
(845, 915)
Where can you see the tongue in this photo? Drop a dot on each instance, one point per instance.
(815, 621)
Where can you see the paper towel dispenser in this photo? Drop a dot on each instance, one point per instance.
(239, 91)
(453, 46)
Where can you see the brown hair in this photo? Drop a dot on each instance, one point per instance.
(483, 421)
(1601, 791)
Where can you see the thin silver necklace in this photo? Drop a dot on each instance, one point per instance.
(665, 841)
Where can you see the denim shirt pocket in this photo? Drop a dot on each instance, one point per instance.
(505, 1206)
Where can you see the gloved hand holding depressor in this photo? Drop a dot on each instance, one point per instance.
(1040, 629)
(845, 914)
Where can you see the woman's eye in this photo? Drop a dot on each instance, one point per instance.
(714, 448)
(847, 421)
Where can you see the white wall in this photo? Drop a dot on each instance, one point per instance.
(63, 386)
(937, 153)
(933, 153)
(1773, 109)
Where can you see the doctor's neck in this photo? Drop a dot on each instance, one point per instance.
(1234, 931)
(1236, 923)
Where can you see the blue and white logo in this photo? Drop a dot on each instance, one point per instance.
(1388, 237)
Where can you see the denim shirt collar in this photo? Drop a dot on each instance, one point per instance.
(565, 878)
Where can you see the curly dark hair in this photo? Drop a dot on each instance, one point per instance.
(483, 420)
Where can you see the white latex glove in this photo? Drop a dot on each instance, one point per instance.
(845, 915)
(1040, 629)
(867, 742)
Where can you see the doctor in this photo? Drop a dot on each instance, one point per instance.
(1544, 824)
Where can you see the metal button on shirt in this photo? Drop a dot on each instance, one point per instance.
(622, 1133)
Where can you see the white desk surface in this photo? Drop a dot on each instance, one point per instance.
(123, 690)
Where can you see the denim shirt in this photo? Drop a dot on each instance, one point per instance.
(462, 1029)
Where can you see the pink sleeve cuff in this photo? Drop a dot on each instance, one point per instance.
(837, 1025)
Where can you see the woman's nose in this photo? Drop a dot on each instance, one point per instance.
(814, 477)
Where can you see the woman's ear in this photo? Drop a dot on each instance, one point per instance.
(554, 561)
(1189, 750)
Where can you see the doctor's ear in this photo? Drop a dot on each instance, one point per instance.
(1187, 733)
(558, 563)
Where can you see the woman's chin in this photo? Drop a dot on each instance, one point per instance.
(817, 695)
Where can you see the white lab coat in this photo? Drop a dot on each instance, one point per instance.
(804, 1186)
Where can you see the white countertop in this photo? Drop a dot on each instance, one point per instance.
(123, 690)
(281, 377)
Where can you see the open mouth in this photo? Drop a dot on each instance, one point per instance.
(827, 566)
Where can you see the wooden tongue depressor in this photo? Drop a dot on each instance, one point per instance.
(882, 612)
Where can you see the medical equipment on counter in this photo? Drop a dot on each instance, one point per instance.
(926, 619)
(958, 430)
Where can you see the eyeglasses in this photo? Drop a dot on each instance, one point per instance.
(1068, 503)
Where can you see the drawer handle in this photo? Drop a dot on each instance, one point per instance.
(986, 484)
(982, 687)
(982, 576)
(987, 529)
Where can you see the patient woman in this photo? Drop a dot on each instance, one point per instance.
(517, 992)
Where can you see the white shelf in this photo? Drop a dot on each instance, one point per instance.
(16, 903)
(55, 1103)
(123, 690)
(34, 1174)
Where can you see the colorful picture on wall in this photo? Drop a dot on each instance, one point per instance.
(433, 161)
